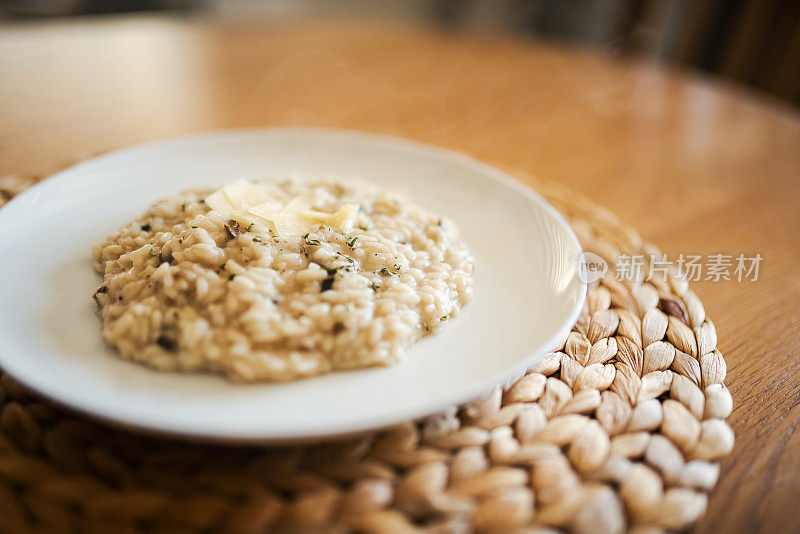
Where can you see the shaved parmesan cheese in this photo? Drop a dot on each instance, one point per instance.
(217, 201)
(246, 203)
(342, 219)
(236, 192)
(300, 203)
(242, 193)
(346, 216)
(242, 217)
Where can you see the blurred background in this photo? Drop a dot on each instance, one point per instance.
(755, 42)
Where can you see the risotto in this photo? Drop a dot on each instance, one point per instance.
(274, 282)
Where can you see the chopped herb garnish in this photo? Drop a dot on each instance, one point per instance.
(250, 226)
(183, 206)
(364, 228)
(257, 239)
(427, 328)
(308, 241)
(146, 227)
(374, 287)
(222, 265)
(275, 268)
(386, 272)
(202, 201)
(352, 242)
(440, 223)
(153, 252)
(231, 276)
(444, 317)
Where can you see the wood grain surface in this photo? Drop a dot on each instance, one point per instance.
(697, 167)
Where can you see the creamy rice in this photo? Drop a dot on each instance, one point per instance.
(185, 288)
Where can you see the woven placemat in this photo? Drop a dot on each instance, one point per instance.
(621, 428)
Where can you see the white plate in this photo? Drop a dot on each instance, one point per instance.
(527, 293)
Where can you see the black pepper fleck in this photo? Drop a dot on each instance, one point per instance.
(101, 289)
(327, 284)
(232, 228)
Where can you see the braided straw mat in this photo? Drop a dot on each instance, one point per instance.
(620, 428)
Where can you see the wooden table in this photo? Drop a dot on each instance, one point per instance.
(696, 166)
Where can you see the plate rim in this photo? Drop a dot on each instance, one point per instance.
(259, 436)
